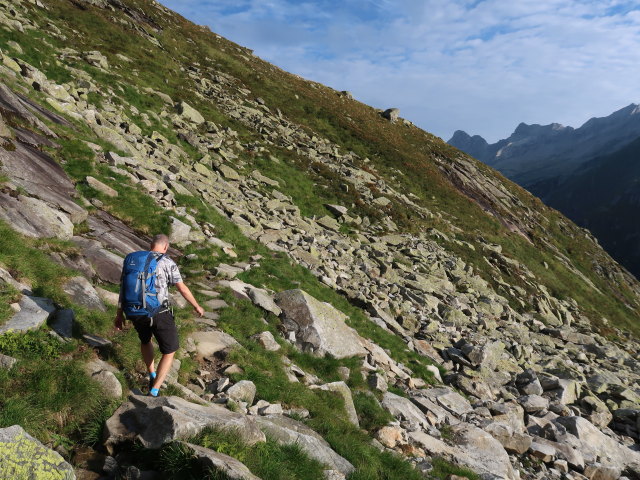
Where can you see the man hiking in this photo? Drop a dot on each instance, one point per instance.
(144, 299)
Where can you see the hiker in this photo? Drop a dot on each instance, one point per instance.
(144, 299)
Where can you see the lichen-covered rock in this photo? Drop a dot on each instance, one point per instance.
(34, 218)
(318, 327)
(82, 292)
(24, 457)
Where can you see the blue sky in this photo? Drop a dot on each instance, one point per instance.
(482, 66)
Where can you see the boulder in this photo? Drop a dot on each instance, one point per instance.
(391, 114)
(263, 300)
(108, 265)
(82, 292)
(179, 231)
(187, 112)
(34, 218)
(481, 452)
(209, 343)
(344, 391)
(448, 399)
(155, 421)
(533, 403)
(230, 467)
(22, 456)
(291, 432)
(243, 391)
(389, 436)
(101, 187)
(403, 409)
(103, 373)
(318, 327)
(267, 341)
(34, 312)
(595, 444)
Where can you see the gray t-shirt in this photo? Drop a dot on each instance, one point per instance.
(167, 275)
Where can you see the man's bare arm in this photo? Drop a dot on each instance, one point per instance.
(188, 296)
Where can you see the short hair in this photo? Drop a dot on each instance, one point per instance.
(159, 239)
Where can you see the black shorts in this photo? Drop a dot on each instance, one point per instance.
(163, 328)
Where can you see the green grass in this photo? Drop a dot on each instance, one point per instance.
(370, 413)
(46, 395)
(443, 468)
(27, 261)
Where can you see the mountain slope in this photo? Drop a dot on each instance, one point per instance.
(576, 172)
(605, 197)
(267, 184)
(534, 154)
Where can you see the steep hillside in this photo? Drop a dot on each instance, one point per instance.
(379, 304)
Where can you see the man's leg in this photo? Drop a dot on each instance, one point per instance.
(166, 333)
(164, 365)
(147, 355)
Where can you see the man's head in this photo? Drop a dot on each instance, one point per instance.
(160, 243)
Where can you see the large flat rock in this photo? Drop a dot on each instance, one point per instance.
(288, 431)
(34, 312)
(41, 176)
(403, 409)
(22, 456)
(108, 265)
(82, 292)
(318, 327)
(34, 218)
(155, 421)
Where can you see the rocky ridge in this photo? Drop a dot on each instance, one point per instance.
(540, 385)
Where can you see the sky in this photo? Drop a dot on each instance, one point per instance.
(482, 66)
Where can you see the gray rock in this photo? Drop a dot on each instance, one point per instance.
(62, 322)
(34, 312)
(542, 451)
(600, 472)
(391, 114)
(82, 292)
(25, 457)
(103, 373)
(179, 231)
(108, 265)
(288, 431)
(318, 327)
(243, 391)
(101, 187)
(512, 442)
(189, 113)
(528, 383)
(7, 362)
(212, 460)
(403, 409)
(344, 391)
(448, 399)
(265, 301)
(96, 341)
(481, 452)
(155, 421)
(209, 343)
(267, 341)
(533, 403)
(34, 218)
(378, 382)
(595, 444)
(5, 277)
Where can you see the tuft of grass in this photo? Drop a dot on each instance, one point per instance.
(442, 469)
(370, 414)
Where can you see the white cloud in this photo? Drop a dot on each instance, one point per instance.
(481, 66)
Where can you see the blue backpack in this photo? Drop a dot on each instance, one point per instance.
(138, 289)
